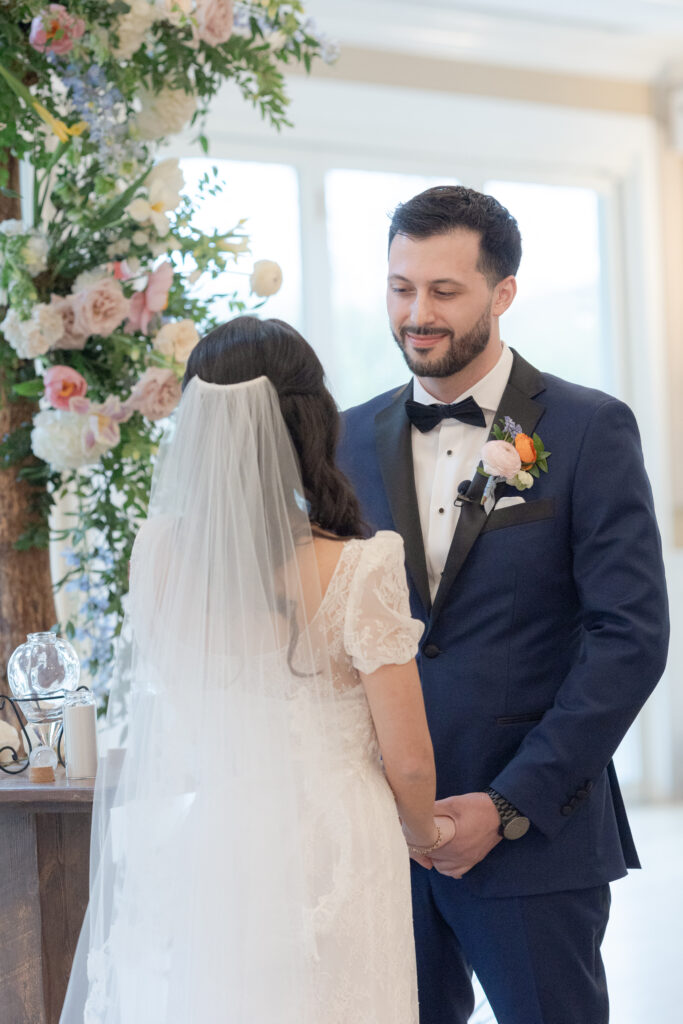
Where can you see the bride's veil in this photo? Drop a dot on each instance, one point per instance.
(210, 816)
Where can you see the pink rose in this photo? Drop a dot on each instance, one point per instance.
(214, 21)
(501, 458)
(55, 29)
(100, 307)
(62, 384)
(157, 393)
(63, 304)
(152, 300)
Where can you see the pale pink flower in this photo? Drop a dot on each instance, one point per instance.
(266, 278)
(152, 300)
(157, 393)
(100, 307)
(501, 458)
(176, 340)
(214, 21)
(56, 30)
(62, 384)
(102, 428)
(71, 338)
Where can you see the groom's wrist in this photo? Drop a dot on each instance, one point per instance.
(513, 824)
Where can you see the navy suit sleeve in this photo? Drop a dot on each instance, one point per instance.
(619, 576)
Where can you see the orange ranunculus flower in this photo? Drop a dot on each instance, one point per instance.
(526, 450)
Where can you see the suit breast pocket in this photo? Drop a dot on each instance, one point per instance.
(519, 515)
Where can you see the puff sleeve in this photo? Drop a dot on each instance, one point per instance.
(378, 627)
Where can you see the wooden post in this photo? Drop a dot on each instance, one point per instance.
(26, 599)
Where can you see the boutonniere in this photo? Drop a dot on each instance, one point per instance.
(513, 457)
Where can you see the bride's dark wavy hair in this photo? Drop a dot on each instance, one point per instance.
(247, 347)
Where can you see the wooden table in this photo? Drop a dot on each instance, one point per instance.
(44, 865)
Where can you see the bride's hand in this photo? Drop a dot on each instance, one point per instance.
(446, 831)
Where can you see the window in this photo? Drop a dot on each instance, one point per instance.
(267, 197)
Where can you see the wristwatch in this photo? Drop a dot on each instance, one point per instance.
(513, 825)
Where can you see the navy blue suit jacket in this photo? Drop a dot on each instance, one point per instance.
(549, 628)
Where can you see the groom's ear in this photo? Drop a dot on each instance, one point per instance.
(503, 294)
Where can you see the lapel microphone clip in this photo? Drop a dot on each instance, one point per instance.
(463, 487)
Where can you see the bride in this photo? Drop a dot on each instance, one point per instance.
(248, 863)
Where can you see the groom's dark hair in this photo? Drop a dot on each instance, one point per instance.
(445, 208)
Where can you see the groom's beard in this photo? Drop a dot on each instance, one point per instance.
(461, 350)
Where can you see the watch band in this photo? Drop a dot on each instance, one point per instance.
(513, 825)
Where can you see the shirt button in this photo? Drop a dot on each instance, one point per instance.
(441, 511)
(449, 452)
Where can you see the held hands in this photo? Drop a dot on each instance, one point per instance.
(476, 822)
(446, 831)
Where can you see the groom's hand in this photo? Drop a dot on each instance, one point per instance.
(476, 833)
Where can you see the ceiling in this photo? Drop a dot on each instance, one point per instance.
(633, 39)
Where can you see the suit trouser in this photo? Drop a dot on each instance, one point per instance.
(537, 957)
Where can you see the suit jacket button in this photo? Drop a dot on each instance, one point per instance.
(431, 651)
(566, 810)
(582, 793)
(588, 786)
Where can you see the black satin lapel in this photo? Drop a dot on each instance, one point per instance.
(517, 403)
(395, 453)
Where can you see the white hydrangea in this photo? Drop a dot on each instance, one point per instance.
(12, 227)
(35, 336)
(34, 253)
(164, 113)
(57, 438)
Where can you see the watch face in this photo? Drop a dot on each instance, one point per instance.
(516, 828)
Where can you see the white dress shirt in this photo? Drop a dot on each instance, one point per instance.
(447, 455)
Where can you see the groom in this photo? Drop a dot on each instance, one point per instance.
(545, 621)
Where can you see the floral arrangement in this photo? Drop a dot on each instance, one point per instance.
(511, 457)
(99, 304)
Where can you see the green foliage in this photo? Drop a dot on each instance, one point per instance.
(75, 117)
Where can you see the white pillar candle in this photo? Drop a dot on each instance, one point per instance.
(80, 736)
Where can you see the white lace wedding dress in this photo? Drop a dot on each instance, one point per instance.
(362, 919)
(355, 924)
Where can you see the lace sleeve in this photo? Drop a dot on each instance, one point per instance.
(378, 628)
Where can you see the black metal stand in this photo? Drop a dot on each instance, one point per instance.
(28, 746)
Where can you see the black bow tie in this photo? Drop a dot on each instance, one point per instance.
(426, 417)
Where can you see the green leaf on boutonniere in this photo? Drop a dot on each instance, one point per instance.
(542, 464)
(480, 469)
(498, 433)
(534, 471)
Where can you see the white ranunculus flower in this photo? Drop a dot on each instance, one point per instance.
(34, 253)
(57, 438)
(164, 113)
(35, 336)
(177, 340)
(266, 278)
